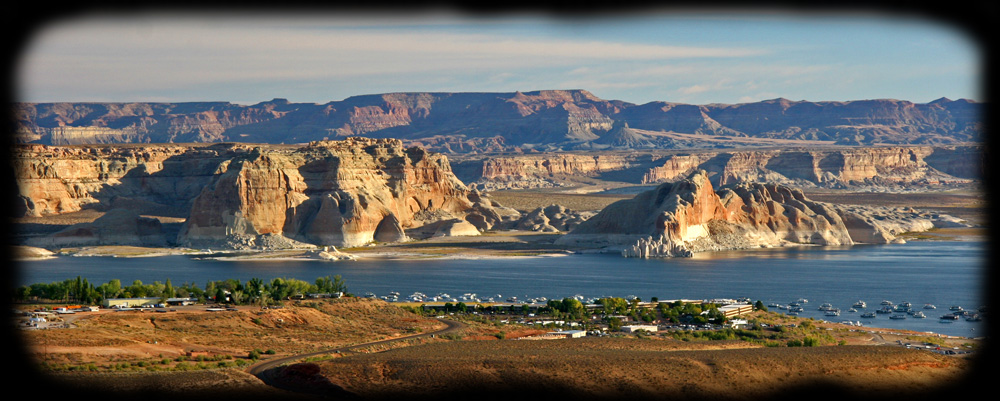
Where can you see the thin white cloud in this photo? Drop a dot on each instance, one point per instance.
(147, 53)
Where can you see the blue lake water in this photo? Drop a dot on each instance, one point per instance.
(943, 273)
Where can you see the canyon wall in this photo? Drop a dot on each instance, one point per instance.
(841, 167)
(341, 193)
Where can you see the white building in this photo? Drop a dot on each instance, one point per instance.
(735, 309)
(634, 328)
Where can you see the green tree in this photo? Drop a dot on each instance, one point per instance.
(614, 324)
(168, 290)
(613, 305)
(573, 307)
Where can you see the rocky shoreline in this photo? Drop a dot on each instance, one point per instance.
(467, 251)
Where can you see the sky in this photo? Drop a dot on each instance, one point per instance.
(648, 55)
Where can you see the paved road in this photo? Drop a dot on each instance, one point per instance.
(263, 369)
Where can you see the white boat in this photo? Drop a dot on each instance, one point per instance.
(897, 316)
(929, 306)
(833, 312)
(860, 304)
(919, 315)
(852, 310)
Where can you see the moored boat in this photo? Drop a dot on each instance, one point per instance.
(860, 304)
(929, 306)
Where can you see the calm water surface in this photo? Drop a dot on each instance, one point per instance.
(942, 273)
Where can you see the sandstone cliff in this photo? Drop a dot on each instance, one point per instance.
(163, 178)
(340, 193)
(521, 121)
(690, 215)
(829, 167)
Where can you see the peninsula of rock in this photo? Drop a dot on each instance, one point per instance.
(690, 215)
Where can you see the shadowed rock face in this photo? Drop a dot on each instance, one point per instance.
(117, 227)
(476, 122)
(691, 215)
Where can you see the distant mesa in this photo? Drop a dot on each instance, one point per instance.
(520, 121)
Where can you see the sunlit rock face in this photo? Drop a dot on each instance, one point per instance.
(341, 193)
